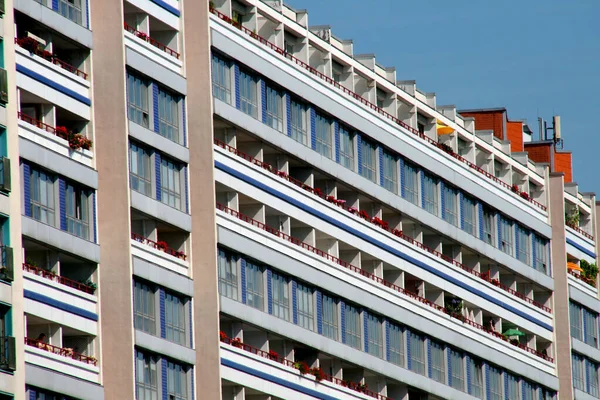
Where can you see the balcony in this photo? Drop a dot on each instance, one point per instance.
(144, 42)
(35, 48)
(85, 288)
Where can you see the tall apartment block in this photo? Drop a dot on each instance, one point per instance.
(216, 200)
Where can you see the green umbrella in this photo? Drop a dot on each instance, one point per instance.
(513, 332)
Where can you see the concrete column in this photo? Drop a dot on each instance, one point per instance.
(562, 334)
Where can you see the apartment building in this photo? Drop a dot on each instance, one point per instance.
(364, 243)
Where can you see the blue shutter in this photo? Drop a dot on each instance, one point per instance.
(186, 191)
(387, 340)
(449, 359)
(480, 213)
(55, 5)
(184, 119)
(517, 236)
(155, 107)
(359, 153)
(533, 250)
(365, 315)
(94, 220)
(486, 371)
(336, 138)
(236, 72)
(157, 160)
(587, 368)
(294, 303)
(163, 374)
(343, 320)
(468, 360)
(499, 220)
(87, 14)
(192, 376)
(402, 178)
(522, 390)
(270, 291)
(243, 276)
(319, 295)
(191, 318)
(443, 199)
(263, 104)
(27, 189)
(313, 129)
(288, 104)
(163, 319)
(461, 207)
(32, 393)
(506, 386)
(408, 358)
(62, 200)
(380, 165)
(422, 188)
(429, 363)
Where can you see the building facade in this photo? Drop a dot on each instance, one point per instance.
(218, 200)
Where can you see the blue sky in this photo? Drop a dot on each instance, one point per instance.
(534, 57)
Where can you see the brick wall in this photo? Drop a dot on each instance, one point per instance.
(538, 152)
(485, 120)
(562, 163)
(514, 133)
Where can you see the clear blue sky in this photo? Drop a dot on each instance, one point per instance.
(534, 57)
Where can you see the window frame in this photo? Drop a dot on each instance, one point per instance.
(346, 149)
(148, 365)
(168, 115)
(228, 275)
(248, 93)
(417, 348)
(305, 306)
(221, 78)
(507, 236)
(280, 287)
(438, 361)
(450, 194)
(138, 100)
(469, 217)
(353, 326)
(144, 307)
(411, 193)
(78, 210)
(274, 107)
(390, 171)
(173, 392)
(397, 343)
(431, 193)
(330, 317)
(175, 318)
(38, 205)
(298, 121)
(139, 155)
(368, 160)
(323, 134)
(172, 191)
(255, 288)
(374, 335)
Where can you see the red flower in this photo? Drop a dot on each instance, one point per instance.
(302, 367)
(318, 373)
(237, 342)
(223, 336)
(273, 355)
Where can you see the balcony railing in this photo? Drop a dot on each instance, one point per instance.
(8, 359)
(7, 270)
(589, 281)
(75, 140)
(145, 37)
(303, 368)
(367, 103)
(579, 230)
(160, 245)
(338, 261)
(60, 279)
(64, 352)
(382, 224)
(33, 46)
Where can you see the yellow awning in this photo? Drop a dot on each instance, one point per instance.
(443, 129)
(574, 267)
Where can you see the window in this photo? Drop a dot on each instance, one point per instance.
(254, 286)
(430, 194)
(375, 335)
(592, 378)
(175, 318)
(176, 381)
(411, 183)
(458, 370)
(369, 160)
(281, 299)
(248, 96)
(578, 374)
(337, 70)
(137, 100)
(417, 353)
(438, 368)
(323, 135)
(70, 9)
(221, 79)
(540, 261)
(42, 196)
(77, 204)
(547, 395)
(346, 148)
(306, 316)
(353, 335)
(330, 317)
(468, 214)
(170, 183)
(506, 236)
(476, 378)
(144, 303)
(495, 382)
(146, 384)
(298, 121)
(450, 208)
(512, 387)
(168, 115)
(396, 345)
(390, 172)
(529, 391)
(590, 323)
(274, 100)
(576, 321)
(488, 227)
(140, 176)
(228, 281)
(524, 244)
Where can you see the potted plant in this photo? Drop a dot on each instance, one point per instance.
(318, 373)
(353, 210)
(515, 188)
(572, 217)
(364, 215)
(454, 307)
(318, 192)
(302, 367)
(273, 355)
(525, 195)
(162, 245)
(211, 6)
(62, 132)
(590, 272)
(236, 342)
(142, 35)
(446, 148)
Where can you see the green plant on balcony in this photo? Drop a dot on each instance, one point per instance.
(211, 5)
(590, 271)
(572, 217)
(454, 307)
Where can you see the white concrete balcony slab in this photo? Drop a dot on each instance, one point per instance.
(148, 250)
(63, 361)
(162, 55)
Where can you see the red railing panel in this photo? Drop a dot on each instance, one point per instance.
(22, 42)
(158, 246)
(57, 278)
(65, 352)
(144, 36)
